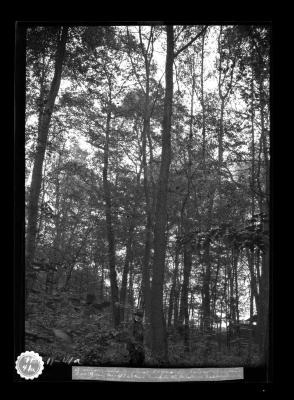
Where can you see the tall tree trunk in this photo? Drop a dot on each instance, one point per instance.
(146, 290)
(214, 294)
(130, 290)
(225, 299)
(41, 226)
(264, 306)
(177, 298)
(185, 285)
(102, 283)
(129, 252)
(252, 180)
(159, 344)
(263, 318)
(55, 252)
(224, 91)
(172, 297)
(220, 138)
(184, 311)
(206, 306)
(232, 304)
(235, 270)
(253, 280)
(203, 104)
(128, 260)
(43, 129)
(206, 292)
(109, 229)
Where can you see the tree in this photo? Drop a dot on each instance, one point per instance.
(43, 129)
(159, 345)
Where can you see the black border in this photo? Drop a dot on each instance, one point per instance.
(255, 379)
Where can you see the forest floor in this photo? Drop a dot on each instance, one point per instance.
(105, 346)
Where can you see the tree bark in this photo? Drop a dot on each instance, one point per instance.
(235, 270)
(131, 289)
(177, 299)
(148, 226)
(263, 318)
(43, 129)
(128, 260)
(172, 297)
(206, 292)
(203, 103)
(159, 344)
(214, 293)
(184, 312)
(109, 229)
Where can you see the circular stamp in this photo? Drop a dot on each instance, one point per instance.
(29, 365)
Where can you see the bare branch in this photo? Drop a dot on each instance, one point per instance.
(177, 80)
(180, 32)
(243, 186)
(191, 41)
(133, 66)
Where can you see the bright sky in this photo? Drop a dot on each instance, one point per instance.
(160, 56)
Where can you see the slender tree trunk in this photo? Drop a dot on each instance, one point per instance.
(159, 343)
(43, 130)
(215, 293)
(148, 227)
(235, 270)
(264, 144)
(226, 301)
(172, 297)
(102, 283)
(221, 136)
(252, 180)
(42, 219)
(203, 103)
(257, 267)
(263, 318)
(206, 292)
(130, 289)
(185, 285)
(184, 313)
(253, 281)
(206, 299)
(109, 228)
(176, 308)
(232, 297)
(224, 92)
(129, 252)
(128, 260)
(206, 303)
(177, 299)
(55, 252)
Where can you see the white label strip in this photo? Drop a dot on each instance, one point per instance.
(156, 374)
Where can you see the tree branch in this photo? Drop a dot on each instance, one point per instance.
(133, 66)
(243, 186)
(191, 41)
